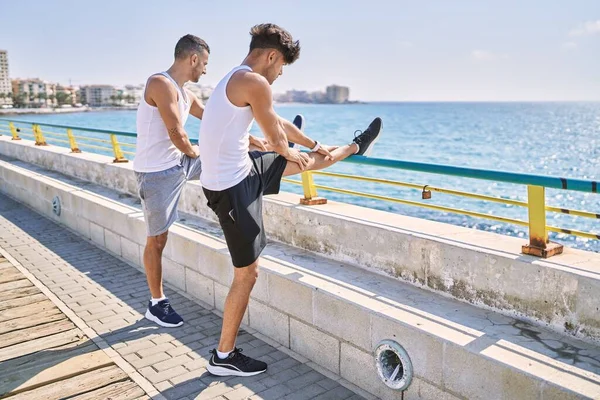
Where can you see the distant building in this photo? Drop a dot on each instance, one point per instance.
(201, 91)
(119, 98)
(133, 93)
(66, 95)
(337, 94)
(282, 97)
(300, 96)
(6, 91)
(333, 94)
(98, 95)
(317, 97)
(34, 93)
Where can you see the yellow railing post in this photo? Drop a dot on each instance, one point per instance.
(310, 191)
(39, 137)
(72, 142)
(539, 245)
(35, 134)
(43, 139)
(13, 131)
(119, 158)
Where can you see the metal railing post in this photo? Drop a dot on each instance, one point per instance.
(13, 131)
(119, 158)
(72, 142)
(310, 191)
(39, 136)
(539, 244)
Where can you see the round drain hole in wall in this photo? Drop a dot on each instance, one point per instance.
(393, 365)
(56, 205)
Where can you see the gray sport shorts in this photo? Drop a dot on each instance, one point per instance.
(160, 192)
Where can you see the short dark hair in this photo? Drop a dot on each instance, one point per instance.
(190, 44)
(271, 36)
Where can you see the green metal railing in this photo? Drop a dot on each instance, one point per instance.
(539, 244)
(33, 130)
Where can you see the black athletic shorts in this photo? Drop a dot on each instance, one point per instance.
(239, 208)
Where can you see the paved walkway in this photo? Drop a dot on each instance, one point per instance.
(107, 298)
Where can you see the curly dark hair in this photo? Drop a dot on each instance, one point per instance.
(190, 44)
(271, 36)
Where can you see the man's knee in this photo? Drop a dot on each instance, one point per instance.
(247, 275)
(157, 242)
(313, 160)
(317, 161)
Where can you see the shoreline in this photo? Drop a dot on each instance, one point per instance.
(296, 103)
(52, 111)
(46, 111)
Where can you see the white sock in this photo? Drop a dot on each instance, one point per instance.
(223, 356)
(156, 301)
(357, 147)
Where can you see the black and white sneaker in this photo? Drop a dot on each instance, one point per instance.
(367, 138)
(236, 364)
(163, 314)
(299, 122)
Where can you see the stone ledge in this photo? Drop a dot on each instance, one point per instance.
(450, 343)
(477, 267)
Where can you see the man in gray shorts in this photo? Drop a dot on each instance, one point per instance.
(165, 159)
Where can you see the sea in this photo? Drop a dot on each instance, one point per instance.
(543, 138)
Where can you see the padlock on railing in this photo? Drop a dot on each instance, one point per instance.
(426, 195)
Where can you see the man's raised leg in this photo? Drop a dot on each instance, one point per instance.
(362, 144)
(317, 161)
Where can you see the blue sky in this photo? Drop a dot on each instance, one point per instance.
(437, 50)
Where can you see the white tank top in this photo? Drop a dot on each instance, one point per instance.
(224, 139)
(155, 151)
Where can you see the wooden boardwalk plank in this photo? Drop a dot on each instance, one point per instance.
(24, 335)
(22, 301)
(49, 356)
(44, 343)
(43, 355)
(38, 320)
(126, 390)
(18, 293)
(76, 385)
(41, 374)
(27, 310)
(10, 274)
(4, 287)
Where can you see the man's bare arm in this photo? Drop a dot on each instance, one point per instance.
(295, 135)
(197, 108)
(161, 92)
(258, 94)
(260, 98)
